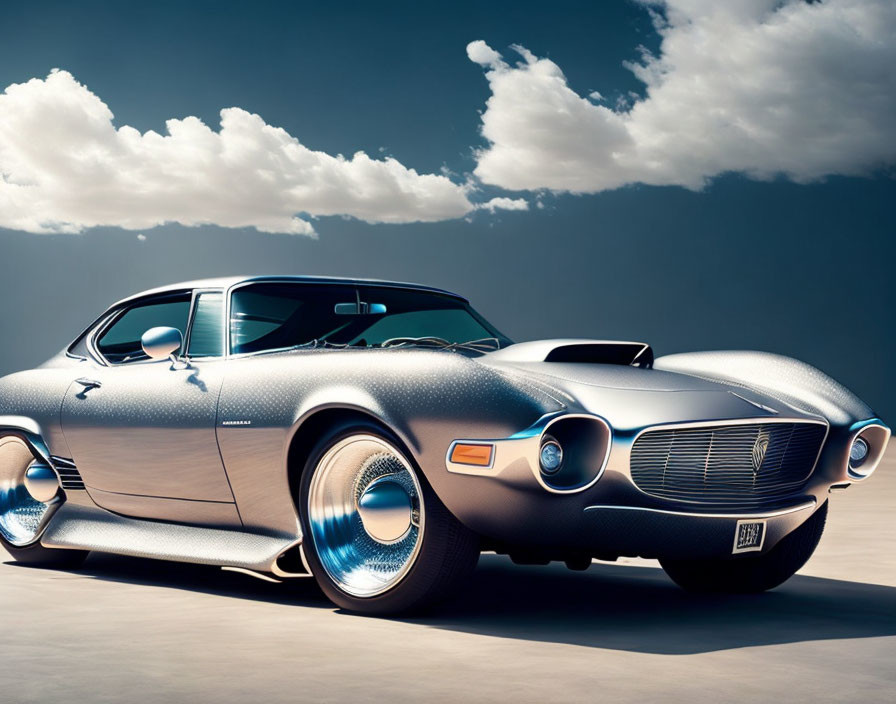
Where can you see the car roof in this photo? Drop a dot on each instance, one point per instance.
(227, 282)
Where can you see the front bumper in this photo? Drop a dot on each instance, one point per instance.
(510, 504)
(656, 533)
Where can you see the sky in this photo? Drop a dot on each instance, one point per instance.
(694, 174)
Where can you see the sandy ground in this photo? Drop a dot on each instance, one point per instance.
(125, 630)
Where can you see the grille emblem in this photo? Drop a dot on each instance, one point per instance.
(759, 450)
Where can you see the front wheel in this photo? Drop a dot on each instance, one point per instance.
(377, 538)
(753, 573)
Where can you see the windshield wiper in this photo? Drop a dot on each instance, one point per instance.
(484, 344)
(316, 344)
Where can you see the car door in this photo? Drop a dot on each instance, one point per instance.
(142, 432)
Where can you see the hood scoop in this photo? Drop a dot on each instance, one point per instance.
(578, 352)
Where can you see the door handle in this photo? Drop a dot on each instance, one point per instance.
(88, 383)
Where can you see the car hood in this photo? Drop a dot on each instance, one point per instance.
(632, 398)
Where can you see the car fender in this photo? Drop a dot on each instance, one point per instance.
(794, 382)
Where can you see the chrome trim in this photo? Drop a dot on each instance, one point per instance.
(356, 563)
(538, 427)
(23, 517)
(536, 469)
(871, 462)
(280, 572)
(385, 510)
(252, 573)
(756, 404)
(42, 482)
(30, 432)
(730, 421)
(305, 560)
(527, 444)
(690, 514)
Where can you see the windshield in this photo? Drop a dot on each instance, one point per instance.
(270, 316)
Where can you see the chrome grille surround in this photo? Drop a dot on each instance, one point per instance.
(69, 476)
(752, 463)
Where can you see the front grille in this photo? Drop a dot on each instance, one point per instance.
(69, 476)
(727, 465)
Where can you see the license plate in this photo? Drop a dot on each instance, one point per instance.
(749, 536)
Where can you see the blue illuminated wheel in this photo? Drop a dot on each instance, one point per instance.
(23, 517)
(376, 537)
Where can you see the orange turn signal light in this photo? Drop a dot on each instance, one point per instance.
(478, 454)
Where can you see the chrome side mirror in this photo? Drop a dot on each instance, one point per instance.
(161, 342)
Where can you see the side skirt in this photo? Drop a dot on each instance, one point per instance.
(81, 527)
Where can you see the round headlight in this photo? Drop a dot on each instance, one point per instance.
(858, 452)
(551, 457)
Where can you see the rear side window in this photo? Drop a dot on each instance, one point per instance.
(207, 329)
(120, 343)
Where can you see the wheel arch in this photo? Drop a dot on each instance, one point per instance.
(320, 419)
(30, 432)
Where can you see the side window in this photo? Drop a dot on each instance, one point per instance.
(274, 316)
(79, 347)
(207, 330)
(120, 342)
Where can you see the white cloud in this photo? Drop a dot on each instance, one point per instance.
(761, 87)
(481, 53)
(65, 167)
(503, 204)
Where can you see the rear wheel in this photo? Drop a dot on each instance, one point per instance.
(22, 517)
(753, 573)
(377, 538)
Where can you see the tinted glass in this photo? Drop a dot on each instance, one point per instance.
(274, 316)
(121, 342)
(277, 316)
(207, 331)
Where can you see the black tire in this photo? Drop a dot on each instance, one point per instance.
(447, 555)
(37, 555)
(753, 573)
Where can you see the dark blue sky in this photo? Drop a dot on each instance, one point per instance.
(804, 270)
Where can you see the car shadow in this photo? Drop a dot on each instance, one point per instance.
(639, 609)
(615, 607)
(203, 579)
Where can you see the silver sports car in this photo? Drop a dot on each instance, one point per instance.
(377, 436)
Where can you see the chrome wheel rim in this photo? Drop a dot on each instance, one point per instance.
(366, 515)
(21, 516)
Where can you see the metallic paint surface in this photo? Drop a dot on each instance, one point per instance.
(153, 431)
(203, 513)
(148, 430)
